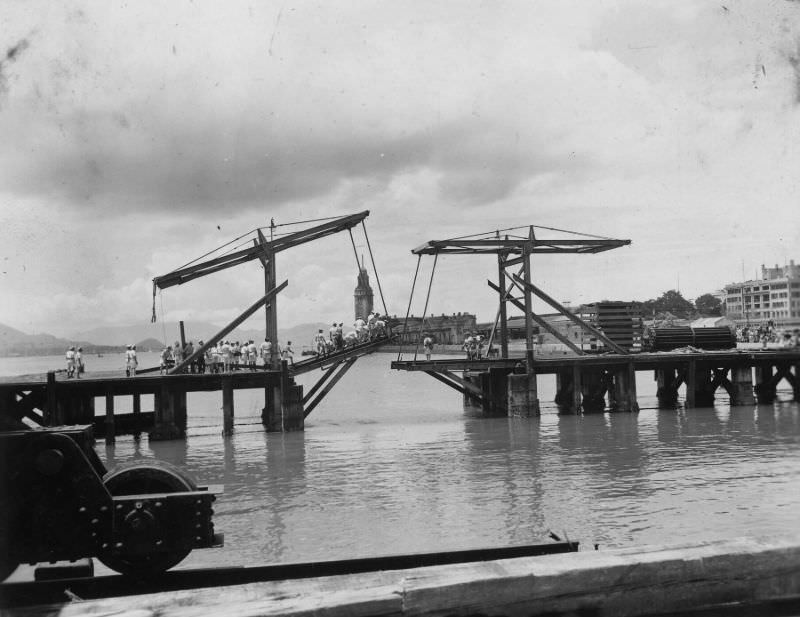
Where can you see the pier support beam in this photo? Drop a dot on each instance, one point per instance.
(523, 395)
(471, 402)
(568, 390)
(110, 428)
(796, 385)
(765, 388)
(286, 412)
(742, 386)
(667, 387)
(623, 393)
(227, 406)
(52, 412)
(700, 386)
(593, 391)
(170, 409)
(494, 387)
(137, 416)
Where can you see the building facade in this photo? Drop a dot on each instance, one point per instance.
(444, 329)
(774, 297)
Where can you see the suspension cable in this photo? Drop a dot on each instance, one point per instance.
(375, 270)
(355, 251)
(408, 310)
(425, 310)
(163, 322)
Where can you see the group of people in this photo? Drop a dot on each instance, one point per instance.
(364, 331)
(768, 333)
(473, 346)
(75, 366)
(225, 356)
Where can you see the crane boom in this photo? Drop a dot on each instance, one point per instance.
(188, 273)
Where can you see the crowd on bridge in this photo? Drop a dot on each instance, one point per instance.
(768, 333)
(227, 356)
(364, 331)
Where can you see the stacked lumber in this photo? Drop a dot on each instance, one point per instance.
(619, 321)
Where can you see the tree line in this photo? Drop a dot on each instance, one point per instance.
(674, 303)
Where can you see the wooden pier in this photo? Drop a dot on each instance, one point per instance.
(596, 383)
(53, 400)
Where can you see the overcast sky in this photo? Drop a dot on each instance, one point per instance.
(137, 136)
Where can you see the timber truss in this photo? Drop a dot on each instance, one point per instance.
(266, 251)
(514, 251)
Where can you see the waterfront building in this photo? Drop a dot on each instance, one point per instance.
(445, 329)
(774, 297)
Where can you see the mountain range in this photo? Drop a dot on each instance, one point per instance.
(14, 342)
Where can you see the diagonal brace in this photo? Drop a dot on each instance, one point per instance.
(346, 365)
(219, 335)
(569, 315)
(542, 323)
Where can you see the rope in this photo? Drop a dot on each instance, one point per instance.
(328, 218)
(163, 323)
(375, 270)
(355, 251)
(153, 316)
(408, 310)
(425, 310)
(496, 233)
(211, 252)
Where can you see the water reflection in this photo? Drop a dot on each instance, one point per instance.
(391, 463)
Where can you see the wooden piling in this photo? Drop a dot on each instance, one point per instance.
(137, 416)
(691, 384)
(227, 405)
(51, 410)
(623, 394)
(764, 388)
(667, 387)
(110, 434)
(164, 426)
(471, 403)
(523, 395)
(593, 389)
(568, 390)
(742, 386)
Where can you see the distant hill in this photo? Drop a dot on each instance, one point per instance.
(150, 344)
(109, 339)
(13, 342)
(301, 334)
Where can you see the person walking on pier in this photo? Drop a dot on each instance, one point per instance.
(287, 353)
(266, 353)
(320, 344)
(427, 344)
(70, 358)
(79, 368)
(131, 361)
(226, 356)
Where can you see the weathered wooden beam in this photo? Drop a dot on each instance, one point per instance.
(227, 405)
(219, 335)
(110, 434)
(183, 275)
(320, 382)
(543, 324)
(460, 386)
(571, 316)
(346, 365)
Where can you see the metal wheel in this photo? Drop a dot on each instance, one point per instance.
(141, 478)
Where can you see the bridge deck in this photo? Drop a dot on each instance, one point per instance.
(640, 361)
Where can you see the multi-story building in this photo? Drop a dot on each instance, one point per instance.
(774, 297)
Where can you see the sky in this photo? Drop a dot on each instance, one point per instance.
(138, 136)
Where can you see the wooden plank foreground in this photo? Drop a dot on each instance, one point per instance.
(643, 581)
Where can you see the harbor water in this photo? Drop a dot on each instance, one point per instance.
(390, 463)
